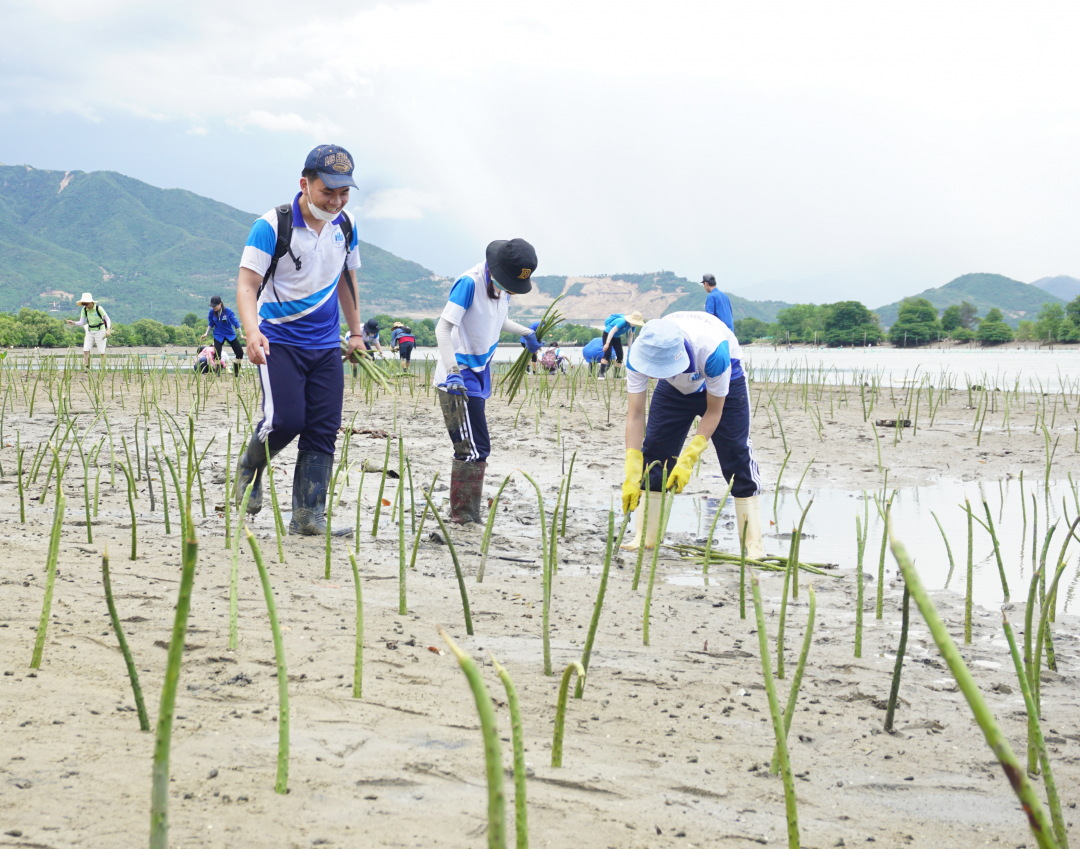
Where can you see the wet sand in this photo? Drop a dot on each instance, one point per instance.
(668, 747)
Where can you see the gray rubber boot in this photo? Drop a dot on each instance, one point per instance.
(466, 491)
(311, 479)
(250, 468)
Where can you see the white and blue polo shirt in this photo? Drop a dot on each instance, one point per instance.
(477, 321)
(300, 307)
(712, 347)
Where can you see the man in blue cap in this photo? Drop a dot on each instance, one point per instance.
(690, 355)
(290, 317)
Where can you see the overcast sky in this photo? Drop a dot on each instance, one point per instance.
(797, 150)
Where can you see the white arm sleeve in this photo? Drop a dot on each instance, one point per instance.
(445, 342)
(513, 327)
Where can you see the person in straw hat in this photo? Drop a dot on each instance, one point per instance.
(98, 327)
(692, 356)
(615, 329)
(402, 341)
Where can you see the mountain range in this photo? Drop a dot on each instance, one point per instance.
(146, 252)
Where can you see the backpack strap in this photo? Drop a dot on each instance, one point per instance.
(283, 246)
(347, 232)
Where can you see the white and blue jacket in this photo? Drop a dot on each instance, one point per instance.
(477, 322)
(713, 349)
(300, 306)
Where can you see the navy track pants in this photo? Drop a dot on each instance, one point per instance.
(474, 431)
(670, 415)
(302, 395)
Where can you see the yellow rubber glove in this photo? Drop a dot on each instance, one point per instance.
(680, 475)
(631, 488)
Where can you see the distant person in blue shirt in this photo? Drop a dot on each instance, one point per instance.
(593, 352)
(615, 328)
(224, 324)
(716, 302)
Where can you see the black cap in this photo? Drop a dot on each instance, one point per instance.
(708, 278)
(511, 264)
(371, 325)
(215, 300)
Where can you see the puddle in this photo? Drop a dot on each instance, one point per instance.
(829, 532)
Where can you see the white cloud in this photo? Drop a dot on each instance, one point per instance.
(398, 204)
(288, 122)
(197, 131)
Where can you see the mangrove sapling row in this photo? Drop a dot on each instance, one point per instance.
(159, 793)
(492, 749)
(1041, 827)
(133, 675)
(281, 784)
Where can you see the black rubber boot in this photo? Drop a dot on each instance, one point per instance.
(311, 479)
(466, 490)
(249, 468)
(236, 369)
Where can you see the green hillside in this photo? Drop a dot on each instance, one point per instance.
(1016, 300)
(693, 295)
(143, 252)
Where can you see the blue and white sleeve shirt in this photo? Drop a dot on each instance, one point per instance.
(300, 306)
(712, 348)
(477, 322)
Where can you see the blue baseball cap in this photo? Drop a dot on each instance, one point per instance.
(334, 164)
(659, 351)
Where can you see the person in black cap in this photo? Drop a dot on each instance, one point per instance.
(371, 334)
(717, 303)
(467, 335)
(288, 303)
(224, 324)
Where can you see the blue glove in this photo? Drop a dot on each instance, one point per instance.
(453, 383)
(531, 342)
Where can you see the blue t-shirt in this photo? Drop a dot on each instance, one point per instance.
(616, 326)
(299, 306)
(593, 351)
(224, 325)
(717, 304)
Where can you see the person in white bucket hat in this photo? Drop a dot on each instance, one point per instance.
(98, 327)
(694, 357)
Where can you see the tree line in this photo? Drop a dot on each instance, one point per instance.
(850, 323)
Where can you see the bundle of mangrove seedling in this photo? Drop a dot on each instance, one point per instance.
(769, 563)
(511, 382)
(369, 367)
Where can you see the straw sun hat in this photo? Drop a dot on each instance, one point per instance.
(85, 300)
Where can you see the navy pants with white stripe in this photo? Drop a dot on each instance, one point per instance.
(302, 395)
(475, 431)
(670, 416)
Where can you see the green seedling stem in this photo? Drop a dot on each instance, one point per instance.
(1041, 826)
(989, 525)
(776, 490)
(281, 784)
(234, 572)
(796, 683)
(742, 568)
(521, 814)
(492, 751)
(131, 507)
(133, 674)
(457, 564)
(898, 668)
(358, 659)
(402, 598)
(803, 477)
(877, 442)
(164, 491)
(880, 608)
(279, 522)
(179, 497)
(970, 575)
(329, 516)
(560, 710)
(420, 529)
(612, 545)
(22, 493)
(790, 802)
(780, 424)
(566, 497)
(665, 513)
(1035, 734)
(712, 528)
(486, 541)
(382, 487)
(159, 794)
(50, 580)
(546, 574)
(948, 548)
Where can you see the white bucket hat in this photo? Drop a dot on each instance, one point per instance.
(659, 351)
(86, 299)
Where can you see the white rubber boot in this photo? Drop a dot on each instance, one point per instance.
(655, 499)
(748, 513)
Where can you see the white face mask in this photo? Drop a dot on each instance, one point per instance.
(321, 214)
